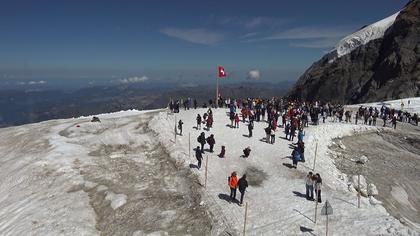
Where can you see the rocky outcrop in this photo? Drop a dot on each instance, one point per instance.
(385, 68)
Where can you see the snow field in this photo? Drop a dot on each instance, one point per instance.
(276, 207)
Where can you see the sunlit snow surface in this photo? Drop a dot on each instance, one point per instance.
(365, 35)
(41, 177)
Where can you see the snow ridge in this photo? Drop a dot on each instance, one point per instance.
(365, 35)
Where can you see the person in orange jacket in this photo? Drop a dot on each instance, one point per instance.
(233, 184)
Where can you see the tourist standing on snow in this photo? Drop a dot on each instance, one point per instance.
(273, 136)
(199, 156)
(198, 121)
(267, 134)
(233, 184)
(247, 151)
(180, 123)
(222, 152)
(287, 130)
(236, 120)
(318, 185)
(292, 132)
(242, 185)
(210, 140)
(250, 128)
(202, 140)
(309, 184)
(394, 121)
(232, 119)
(301, 134)
(295, 157)
(209, 121)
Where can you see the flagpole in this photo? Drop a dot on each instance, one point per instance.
(217, 92)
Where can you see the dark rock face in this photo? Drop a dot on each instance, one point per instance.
(383, 69)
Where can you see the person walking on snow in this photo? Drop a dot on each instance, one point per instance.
(318, 185)
(236, 120)
(222, 152)
(198, 121)
(242, 185)
(296, 157)
(180, 123)
(202, 140)
(267, 134)
(250, 128)
(210, 140)
(199, 156)
(309, 184)
(233, 184)
(273, 136)
(287, 130)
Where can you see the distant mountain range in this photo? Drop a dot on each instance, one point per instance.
(19, 107)
(380, 61)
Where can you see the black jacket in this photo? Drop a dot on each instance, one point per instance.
(198, 154)
(242, 184)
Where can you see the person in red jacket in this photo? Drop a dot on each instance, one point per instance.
(233, 184)
(236, 120)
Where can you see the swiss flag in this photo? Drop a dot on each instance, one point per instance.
(221, 72)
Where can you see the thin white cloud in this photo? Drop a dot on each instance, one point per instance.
(37, 82)
(254, 75)
(253, 22)
(31, 82)
(306, 33)
(248, 35)
(197, 35)
(134, 79)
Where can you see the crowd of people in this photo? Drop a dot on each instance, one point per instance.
(291, 116)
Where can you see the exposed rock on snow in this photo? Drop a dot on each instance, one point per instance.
(117, 200)
(372, 190)
(363, 185)
(362, 160)
(374, 201)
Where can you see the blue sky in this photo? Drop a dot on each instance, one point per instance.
(176, 40)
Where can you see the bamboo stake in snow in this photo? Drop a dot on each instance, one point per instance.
(246, 215)
(175, 130)
(316, 150)
(189, 144)
(205, 180)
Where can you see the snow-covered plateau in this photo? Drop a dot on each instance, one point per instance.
(127, 175)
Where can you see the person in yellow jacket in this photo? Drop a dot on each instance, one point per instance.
(233, 184)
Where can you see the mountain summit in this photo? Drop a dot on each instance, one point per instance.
(380, 61)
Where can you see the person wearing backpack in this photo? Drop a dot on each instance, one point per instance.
(242, 185)
(202, 140)
(233, 184)
(210, 140)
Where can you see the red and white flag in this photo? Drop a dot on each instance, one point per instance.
(221, 72)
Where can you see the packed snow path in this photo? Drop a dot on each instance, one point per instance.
(277, 205)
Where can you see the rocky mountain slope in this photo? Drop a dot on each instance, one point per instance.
(379, 62)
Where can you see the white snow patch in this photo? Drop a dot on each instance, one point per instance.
(399, 194)
(411, 105)
(365, 35)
